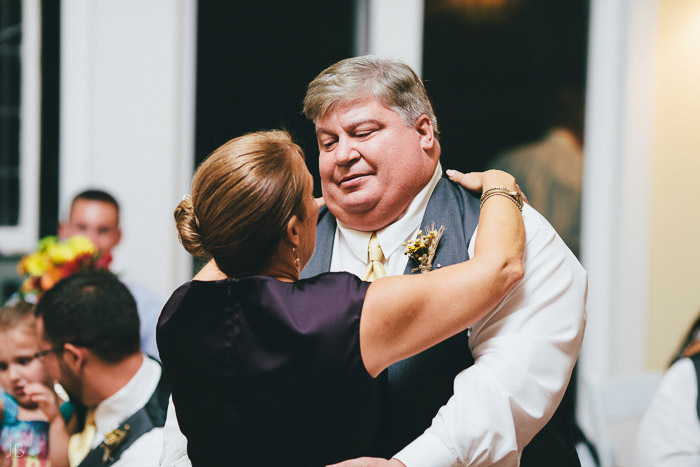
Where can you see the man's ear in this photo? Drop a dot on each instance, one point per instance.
(426, 133)
(74, 356)
(294, 231)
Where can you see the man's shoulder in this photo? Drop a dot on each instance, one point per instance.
(451, 200)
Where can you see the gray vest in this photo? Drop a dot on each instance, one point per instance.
(420, 385)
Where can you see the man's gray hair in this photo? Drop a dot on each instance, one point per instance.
(392, 82)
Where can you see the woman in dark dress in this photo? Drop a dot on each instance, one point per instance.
(270, 370)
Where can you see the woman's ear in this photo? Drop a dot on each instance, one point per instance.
(294, 231)
(426, 133)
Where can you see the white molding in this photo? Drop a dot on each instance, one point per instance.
(127, 123)
(77, 95)
(396, 31)
(617, 180)
(23, 237)
(188, 91)
(616, 190)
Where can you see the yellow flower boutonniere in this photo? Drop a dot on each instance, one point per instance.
(422, 249)
(112, 441)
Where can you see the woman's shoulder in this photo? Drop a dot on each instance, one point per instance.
(335, 284)
(330, 287)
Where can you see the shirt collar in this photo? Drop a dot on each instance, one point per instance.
(393, 235)
(117, 407)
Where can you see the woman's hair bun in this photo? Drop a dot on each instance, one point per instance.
(188, 229)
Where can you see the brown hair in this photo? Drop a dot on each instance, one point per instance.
(18, 314)
(243, 196)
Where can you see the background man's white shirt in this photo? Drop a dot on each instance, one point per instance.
(111, 412)
(669, 434)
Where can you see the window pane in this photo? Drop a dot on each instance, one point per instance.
(10, 40)
(255, 61)
(493, 68)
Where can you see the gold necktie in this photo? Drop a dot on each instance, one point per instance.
(375, 268)
(80, 444)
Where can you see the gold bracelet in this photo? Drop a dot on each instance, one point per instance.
(516, 195)
(508, 195)
(497, 188)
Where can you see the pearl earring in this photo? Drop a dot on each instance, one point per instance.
(296, 257)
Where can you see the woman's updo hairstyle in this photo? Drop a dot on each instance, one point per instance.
(243, 196)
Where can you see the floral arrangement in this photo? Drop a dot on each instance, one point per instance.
(53, 260)
(422, 249)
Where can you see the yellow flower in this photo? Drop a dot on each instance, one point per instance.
(82, 245)
(60, 253)
(34, 264)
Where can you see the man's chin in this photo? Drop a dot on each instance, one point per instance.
(362, 218)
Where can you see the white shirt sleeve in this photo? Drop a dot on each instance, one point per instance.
(524, 351)
(669, 434)
(174, 452)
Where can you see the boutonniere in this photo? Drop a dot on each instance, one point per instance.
(112, 441)
(422, 249)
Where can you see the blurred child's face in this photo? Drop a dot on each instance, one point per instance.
(18, 367)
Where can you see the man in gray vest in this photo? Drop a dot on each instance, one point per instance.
(488, 396)
(88, 339)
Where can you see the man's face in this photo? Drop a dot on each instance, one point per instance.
(97, 220)
(371, 163)
(56, 367)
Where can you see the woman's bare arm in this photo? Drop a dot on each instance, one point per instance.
(404, 315)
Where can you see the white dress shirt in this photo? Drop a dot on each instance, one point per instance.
(111, 412)
(524, 353)
(174, 442)
(350, 247)
(669, 435)
(148, 306)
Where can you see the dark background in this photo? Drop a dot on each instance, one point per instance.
(491, 73)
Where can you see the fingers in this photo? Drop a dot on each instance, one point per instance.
(362, 462)
(320, 202)
(471, 180)
(37, 389)
(44, 397)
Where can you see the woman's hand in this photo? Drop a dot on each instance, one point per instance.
(482, 181)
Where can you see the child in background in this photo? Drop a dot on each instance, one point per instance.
(33, 420)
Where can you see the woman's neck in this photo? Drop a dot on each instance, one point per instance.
(282, 272)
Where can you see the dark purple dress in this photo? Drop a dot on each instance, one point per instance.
(269, 373)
